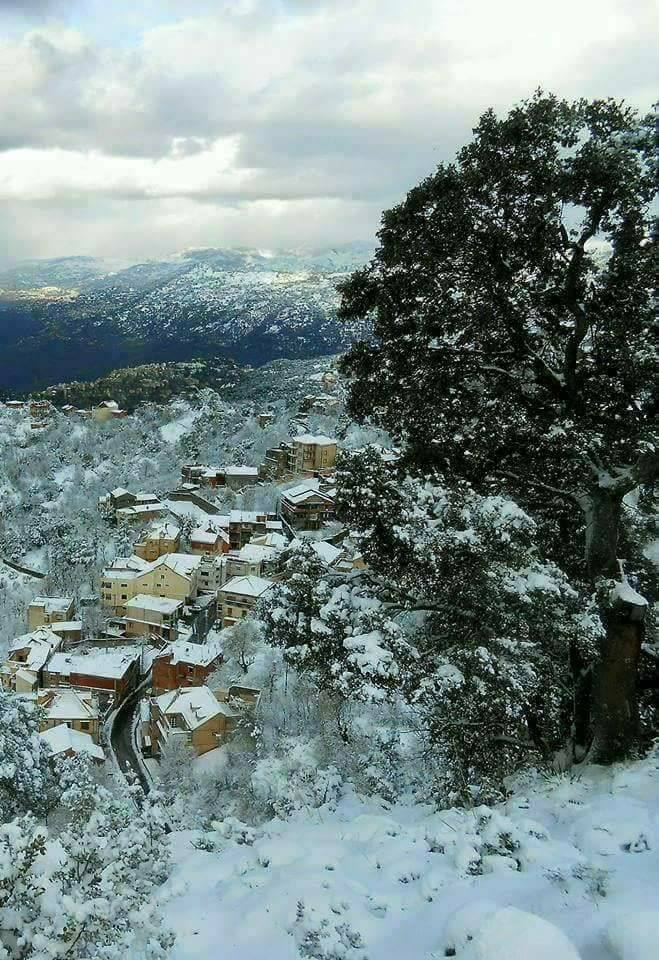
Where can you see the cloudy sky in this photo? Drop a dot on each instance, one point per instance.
(136, 128)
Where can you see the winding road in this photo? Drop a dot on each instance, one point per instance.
(121, 738)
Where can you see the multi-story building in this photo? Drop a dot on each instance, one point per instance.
(211, 574)
(77, 710)
(279, 462)
(161, 538)
(113, 672)
(152, 616)
(191, 715)
(245, 524)
(211, 543)
(201, 476)
(239, 596)
(43, 611)
(183, 664)
(234, 477)
(314, 454)
(308, 505)
(253, 559)
(175, 576)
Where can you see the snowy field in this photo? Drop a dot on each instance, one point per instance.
(568, 868)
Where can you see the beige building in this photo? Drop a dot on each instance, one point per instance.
(77, 710)
(46, 610)
(313, 453)
(108, 410)
(70, 631)
(161, 538)
(175, 576)
(152, 616)
(239, 596)
(192, 715)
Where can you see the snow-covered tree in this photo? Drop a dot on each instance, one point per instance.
(26, 777)
(91, 892)
(511, 297)
(458, 612)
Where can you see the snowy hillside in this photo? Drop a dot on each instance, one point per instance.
(565, 869)
(78, 318)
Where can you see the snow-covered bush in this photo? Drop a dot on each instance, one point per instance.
(91, 891)
(326, 934)
(293, 780)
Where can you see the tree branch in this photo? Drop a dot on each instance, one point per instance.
(539, 485)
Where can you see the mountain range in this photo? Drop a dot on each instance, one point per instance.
(77, 318)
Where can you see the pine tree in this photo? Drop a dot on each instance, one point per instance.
(511, 300)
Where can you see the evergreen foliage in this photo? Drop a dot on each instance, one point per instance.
(511, 298)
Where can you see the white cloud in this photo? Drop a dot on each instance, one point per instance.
(324, 106)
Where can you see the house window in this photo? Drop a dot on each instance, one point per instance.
(84, 724)
(124, 596)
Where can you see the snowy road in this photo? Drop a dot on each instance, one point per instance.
(121, 739)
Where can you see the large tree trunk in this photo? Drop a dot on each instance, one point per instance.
(615, 702)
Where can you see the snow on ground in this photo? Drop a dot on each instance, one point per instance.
(568, 868)
(64, 474)
(173, 431)
(36, 559)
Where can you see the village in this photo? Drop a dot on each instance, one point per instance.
(160, 612)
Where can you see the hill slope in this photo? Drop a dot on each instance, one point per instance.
(78, 318)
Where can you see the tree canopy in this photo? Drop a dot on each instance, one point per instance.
(511, 298)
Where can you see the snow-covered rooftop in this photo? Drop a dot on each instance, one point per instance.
(310, 438)
(255, 553)
(271, 539)
(163, 530)
(63, 704)
(247, 586)
(52, 604)
(40, 644)
(109, 664)
(306, 491)
(196, 705)
(125, 568)
(182, 563)
(245, 516)
(144, 601)
(61, 738)
(66, 626)
(204, 536)
(141, 508)
(199, 654)
(241, 471)
(327, 552)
